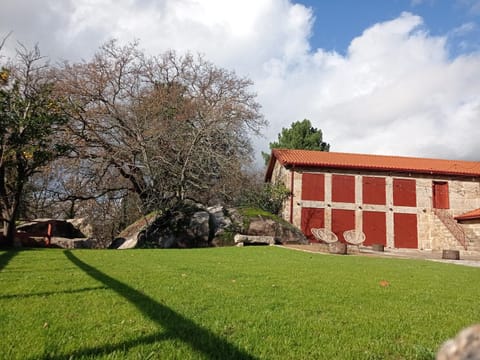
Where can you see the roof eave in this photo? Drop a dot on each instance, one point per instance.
(376, 168)
(270, 167)
(463, 218)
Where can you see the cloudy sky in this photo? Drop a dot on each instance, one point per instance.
(394, 77)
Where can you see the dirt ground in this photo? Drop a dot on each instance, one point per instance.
(466, 258)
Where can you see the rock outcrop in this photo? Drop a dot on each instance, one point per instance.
(54, 233)
(194, 225)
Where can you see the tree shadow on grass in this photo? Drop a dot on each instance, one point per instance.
(51, 293)
(107, 349)
(6, 257)
(176, 326)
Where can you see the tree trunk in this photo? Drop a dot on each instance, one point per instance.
(10, 233)
(7, 237)
(10, 218)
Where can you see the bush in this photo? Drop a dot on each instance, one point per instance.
(268, 197)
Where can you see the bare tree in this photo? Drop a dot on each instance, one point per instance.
(166, 127)
(30, 114)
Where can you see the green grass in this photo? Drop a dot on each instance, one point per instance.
(228, 303)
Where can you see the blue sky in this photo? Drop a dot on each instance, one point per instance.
(338, 22)
(392, 77)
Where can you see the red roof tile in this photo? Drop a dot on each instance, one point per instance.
(471, 215)
(321, 159)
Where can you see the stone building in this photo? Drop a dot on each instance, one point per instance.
(400, 202)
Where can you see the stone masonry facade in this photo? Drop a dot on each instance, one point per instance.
(397, 209)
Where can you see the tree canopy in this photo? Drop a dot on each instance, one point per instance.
(300, 135)
(166, 127)
(31, 117)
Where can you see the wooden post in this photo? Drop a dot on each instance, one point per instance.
(49, 234)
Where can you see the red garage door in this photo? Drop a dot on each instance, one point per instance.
(373, 189)
(313, 187)
(342, 220)
(312, 218)
(404, 192)
(343, 188)
(405, 230)
(374, 227)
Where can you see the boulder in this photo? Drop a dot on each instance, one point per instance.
(83, 226)
(199, 226)
(60, 233)
(59, 228)
(254, 239)
(185, 226)
(65, 243)
(220, 216)
(117, 243)
(283, 231)
(465, 346)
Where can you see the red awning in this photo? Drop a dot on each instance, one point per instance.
(471, 215)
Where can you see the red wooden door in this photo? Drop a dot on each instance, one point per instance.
(374, 227)
(404, 192)
(312, 218)
(342, 220)
(343, 188)
(440, 195)
(405, 231)
(374, 191)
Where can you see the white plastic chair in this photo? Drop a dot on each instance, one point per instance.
(324, 235)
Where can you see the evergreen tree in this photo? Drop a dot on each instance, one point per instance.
(300, 135)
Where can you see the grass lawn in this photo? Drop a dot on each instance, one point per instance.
(229, 303)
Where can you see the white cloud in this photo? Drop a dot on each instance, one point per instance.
(472, 5)
(397, 90)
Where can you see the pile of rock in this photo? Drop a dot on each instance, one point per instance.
(194, 225)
